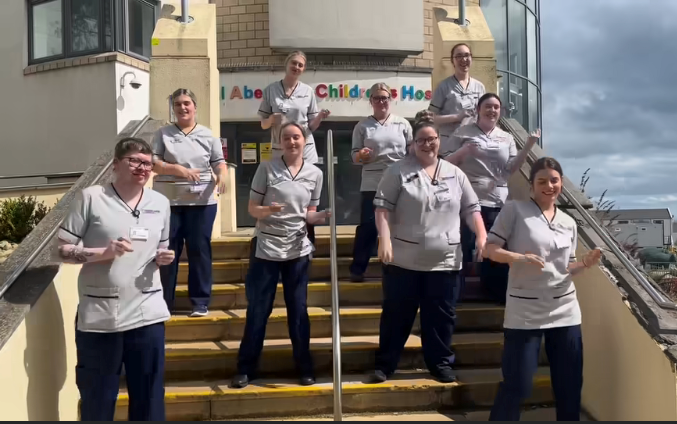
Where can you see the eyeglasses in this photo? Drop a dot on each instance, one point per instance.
(428, 140)
(138, 163)
(380, 99)
(463, 56)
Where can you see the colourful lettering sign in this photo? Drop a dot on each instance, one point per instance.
(331, 91)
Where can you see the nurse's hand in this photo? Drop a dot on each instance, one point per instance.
(220, 185)
(276, 207)
(385, 251)
(191, 174)
(479, 249)
(118, 247)
(534, 136)
(324, 113)
(277, 119)
(365, 154)
(532, 259)
(164, 257)
(592, 258)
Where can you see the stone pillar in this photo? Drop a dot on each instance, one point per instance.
(185, 56)
(447, 33)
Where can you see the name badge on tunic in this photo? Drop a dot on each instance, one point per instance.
(466, 102)
(443, 196)
(198, 188)
(139, 233)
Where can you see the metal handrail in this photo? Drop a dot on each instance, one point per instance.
(656, 295)
(335, 321)
(69, 174)
(49, 237)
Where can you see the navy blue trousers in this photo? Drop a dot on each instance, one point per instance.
(366, 235)
(97, 375)
(192, 224)
(404, 291)
(564, 347)
(260, 287)
(493, 275)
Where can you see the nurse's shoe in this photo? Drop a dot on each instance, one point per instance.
(199, 311)
(377, 377)
(307, 380)
(445, 376)
(240, 381)
(356, 278)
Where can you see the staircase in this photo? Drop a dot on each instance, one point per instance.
(201, 353)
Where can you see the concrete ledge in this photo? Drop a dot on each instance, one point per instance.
(88, 60)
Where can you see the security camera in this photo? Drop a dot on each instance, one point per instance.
(135, 84)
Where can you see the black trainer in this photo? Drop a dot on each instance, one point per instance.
(307, 380)
(445, 376)
(377, 377)
(240, 381)
(355, 278)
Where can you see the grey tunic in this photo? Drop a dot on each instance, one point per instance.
(198, 149)
(125, 293)
(388, 143)
(425, 219)
(283, 235)
(538, 298)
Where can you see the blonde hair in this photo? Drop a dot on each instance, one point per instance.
(379, 86)
(184, 92)
(294, 54)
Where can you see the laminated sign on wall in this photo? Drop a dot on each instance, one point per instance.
(249, 153)
(265, 151)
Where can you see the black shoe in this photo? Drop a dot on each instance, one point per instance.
(355, 278)
(377, 377)
(307, 380)
(240, 381)
(445, 376)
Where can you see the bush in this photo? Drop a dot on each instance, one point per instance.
(19, 216)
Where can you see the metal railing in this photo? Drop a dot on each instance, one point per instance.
(335, 321)
(610, 243)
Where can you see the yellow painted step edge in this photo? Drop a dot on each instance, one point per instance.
(220, 289)
(237, 263)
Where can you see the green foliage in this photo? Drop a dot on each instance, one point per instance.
(19, 216)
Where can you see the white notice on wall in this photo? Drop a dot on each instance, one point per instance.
(249, 156)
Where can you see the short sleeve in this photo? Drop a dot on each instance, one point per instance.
(313, 109)
(358, 142)
(259, 183)
(469, 201)
(74, 225)
(158, 145)
(437, 102)
(164, 237)
(501, 232)
(216, 155)
(454, 142)
(574, 244)
(388, 190)
(317, 192)
(512, 152)
(408, 133)
(266, 108)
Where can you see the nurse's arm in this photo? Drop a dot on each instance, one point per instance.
(498, 254)
(161, 167)
(516, 162)
(382, 225)
(315, 122)
(313, 217)
(478, 225)
(261, 212)
(449, 119)
(76, 254)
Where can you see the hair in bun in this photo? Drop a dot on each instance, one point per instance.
(424, 116)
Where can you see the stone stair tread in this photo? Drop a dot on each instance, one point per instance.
(224, 288)
(225, 263)
(352, 383)
(207, 348)
(313, 311)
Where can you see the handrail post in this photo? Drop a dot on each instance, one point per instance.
(335, 321)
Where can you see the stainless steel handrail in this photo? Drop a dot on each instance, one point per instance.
(656, 295)
(69, 174)
(335, 321)
(48, 238)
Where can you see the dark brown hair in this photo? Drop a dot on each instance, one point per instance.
(545, 163)
(453, 49)
(488, 96)
(131, 145)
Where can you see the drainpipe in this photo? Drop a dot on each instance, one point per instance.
(461, 12)
(184, 11)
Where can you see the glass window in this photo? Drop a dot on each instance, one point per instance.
(47, 29)
(532, 48)
(534, 107)
(85, 20)
(532, 5)
(141, 24)
(496, 14)
(517, 37)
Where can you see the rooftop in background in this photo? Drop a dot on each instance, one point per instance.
(630, 214)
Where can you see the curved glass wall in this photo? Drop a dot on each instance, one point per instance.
(516, 29)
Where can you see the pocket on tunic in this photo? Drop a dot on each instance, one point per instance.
(99, 307)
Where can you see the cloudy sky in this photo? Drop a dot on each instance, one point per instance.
(609, 101)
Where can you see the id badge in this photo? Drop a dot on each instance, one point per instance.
(284, 108)
(198, 188)
(443, 196)
(467, 102)
(139, 233)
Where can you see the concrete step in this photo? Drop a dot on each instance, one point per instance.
(229, 325)
(237, 247)
(216, 360)
(406, 391)
(235, 270)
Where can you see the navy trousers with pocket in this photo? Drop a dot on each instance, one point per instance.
(564, 347)
(261, 287)
(404, 291)
(192, 224)
(100, 359)
(366, 235)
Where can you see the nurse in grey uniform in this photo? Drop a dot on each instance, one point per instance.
(378, 141)
(290, 100)
(185, 155)
(455, 98)
(538, 241)
(119, 232)
(488, 156)
(419, 205)
(282, 194)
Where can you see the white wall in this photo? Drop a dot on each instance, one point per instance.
(131, 103)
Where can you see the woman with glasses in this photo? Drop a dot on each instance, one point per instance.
(119, 232)
(455, 98)
(538, 242)
(488, 156)
(185, 155)
(378, 141)
(290, 100)
(284, 196)
(420, 202)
